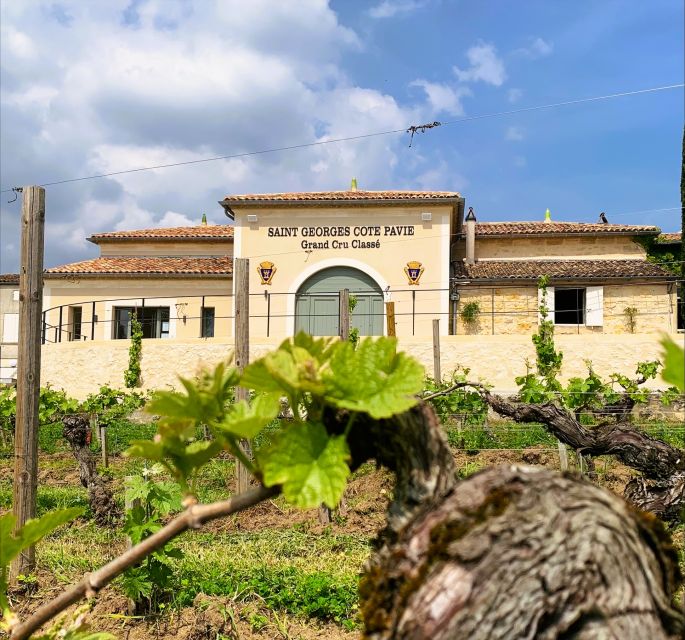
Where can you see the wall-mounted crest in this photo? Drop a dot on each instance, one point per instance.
(266, 271)
(414, 270)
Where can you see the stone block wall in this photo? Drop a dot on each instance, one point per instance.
(508, 310)
(81, 368)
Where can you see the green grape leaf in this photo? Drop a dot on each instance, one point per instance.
(373, 379)
(244, 420)
(136, 488)
(674, 364)
(293, 369)
(321, 348)
(310, 464)
(31, 533)
(146, 449)
(276, 371)
(196, 454)
(165, 497)
(135, 584)
(202, 402)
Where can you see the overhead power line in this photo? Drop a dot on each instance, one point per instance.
(363, 136)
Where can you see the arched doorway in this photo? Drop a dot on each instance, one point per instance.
(316, 302)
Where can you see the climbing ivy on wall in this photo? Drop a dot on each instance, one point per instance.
(666, 255)
(132, 374)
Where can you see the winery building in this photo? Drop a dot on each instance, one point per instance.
(425, 253)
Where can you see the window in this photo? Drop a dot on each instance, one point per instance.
(154, 321)
(680, 312)
(569, 306)
(207, 322)
(75, 322)
(576, 305)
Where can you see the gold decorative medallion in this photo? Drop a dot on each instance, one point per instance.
(413, 271)
(266, 271)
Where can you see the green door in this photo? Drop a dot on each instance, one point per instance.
(316, 304)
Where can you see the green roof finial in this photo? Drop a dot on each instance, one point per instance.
(548, 216)
(204, 220)
(353, 185)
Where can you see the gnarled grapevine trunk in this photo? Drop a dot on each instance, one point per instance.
(76, 431)
(520, 552)
(511, 552)
(661, 491)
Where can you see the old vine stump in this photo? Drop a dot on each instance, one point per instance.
(76, 431)
(521, 552)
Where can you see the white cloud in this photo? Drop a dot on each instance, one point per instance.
(16, 43)
(174, 219)
(536, 48)
(514, 95)
(390, 8)
(102, 87)
(485, 65)
(442, 97)
(514, 134)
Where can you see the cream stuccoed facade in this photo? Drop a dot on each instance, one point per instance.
(402, 245)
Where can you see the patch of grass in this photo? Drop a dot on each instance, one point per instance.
(212, 481)
(48, 498)
(312, 594)
(302, 574)
(499, 436)
(79, 547)
(469, 469)
(121, 433)
(512, 435)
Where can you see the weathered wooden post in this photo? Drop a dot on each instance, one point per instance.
(102, 430)
(437, 375)
(241, 277)
(28, 368)
(344, 314)
(390, 317)
(563, 456)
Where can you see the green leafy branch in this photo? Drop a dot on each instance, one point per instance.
(302, 459)
(12, 544)
(132, 374)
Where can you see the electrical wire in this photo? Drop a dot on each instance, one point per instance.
(363, 136)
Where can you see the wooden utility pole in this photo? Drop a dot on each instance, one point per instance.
(390, 317)
(437, 375)
(28, 368)
(102, 430)
(241, 278)
(344, 314)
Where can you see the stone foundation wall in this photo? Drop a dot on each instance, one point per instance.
(81, 368)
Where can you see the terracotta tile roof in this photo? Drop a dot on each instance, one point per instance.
(559, 228)
(9, 278)
(560, 269)
(147, 266)
(200, 232)
(670, 238)
(324, 197)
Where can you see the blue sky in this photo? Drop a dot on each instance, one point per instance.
(96, 87)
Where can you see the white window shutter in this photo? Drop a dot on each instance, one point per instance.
(550, 303)
(10, 328)
(594, 306)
